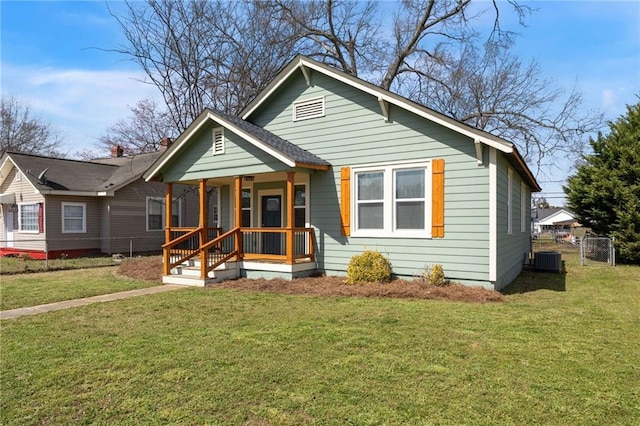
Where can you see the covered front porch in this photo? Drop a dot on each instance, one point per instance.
(265, 234)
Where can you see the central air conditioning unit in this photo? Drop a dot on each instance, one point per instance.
(548, 261)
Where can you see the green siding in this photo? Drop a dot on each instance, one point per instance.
(241, 157)
(352, 133)
(514, 248)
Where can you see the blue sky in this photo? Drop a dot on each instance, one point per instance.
(52, 57)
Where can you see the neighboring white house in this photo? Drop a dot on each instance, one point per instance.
(555, 219)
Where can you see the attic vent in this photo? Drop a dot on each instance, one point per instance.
(218, 141)
(311, 108)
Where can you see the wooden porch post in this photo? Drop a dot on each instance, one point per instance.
(238, 218)
(203, 227)
(290, 218)
(168, 216)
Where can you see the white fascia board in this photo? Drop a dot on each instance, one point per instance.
(449, 123)
(493, 215)
(5, 168)
(70, 193)
(251, 139)
(178, 145)
(274, 85)
(382, 96)
(24, 176)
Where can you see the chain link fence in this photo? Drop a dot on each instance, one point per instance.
(597, 250)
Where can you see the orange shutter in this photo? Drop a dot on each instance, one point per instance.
(437, 198)
(345, 201)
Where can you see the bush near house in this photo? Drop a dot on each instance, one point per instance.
(369, 267)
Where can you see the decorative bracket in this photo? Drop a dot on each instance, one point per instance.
(307, 75)
(479, 151)
(384, 107)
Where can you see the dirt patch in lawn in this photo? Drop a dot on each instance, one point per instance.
(150, 268)
(147, 268)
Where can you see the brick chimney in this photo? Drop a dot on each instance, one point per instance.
(165, 143)
(117, 151)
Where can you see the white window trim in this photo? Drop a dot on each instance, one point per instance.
(306, 203)
(219, 151)
(389, 202)
(250, 208)
(84, 217)
(509, 201)
(19, 212)
(294, 116)
(523, 207)
(163, 219)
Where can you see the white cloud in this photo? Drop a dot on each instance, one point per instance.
(81, 103)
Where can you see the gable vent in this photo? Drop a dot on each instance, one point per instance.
(305, 110)
(218, 141)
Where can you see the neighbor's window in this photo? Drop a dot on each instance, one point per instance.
(74, 218)
(156, 212)
(28, 217)
(392, 200)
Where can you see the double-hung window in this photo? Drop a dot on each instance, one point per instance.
(392, 200)
(74, 218)
(300, 206)
(246, 207)
(156, 212)
(28, 217)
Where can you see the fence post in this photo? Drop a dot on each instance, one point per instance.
(46, 255)
(130, 248)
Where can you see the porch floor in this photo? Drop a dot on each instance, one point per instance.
(189, 272)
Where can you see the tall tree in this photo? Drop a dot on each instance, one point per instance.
(142, 131)
(22, 131)
(605, 191)
(216, 54)
(496, 92)
(221, 54)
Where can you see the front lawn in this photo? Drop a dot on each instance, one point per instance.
(31, 289)
(562, 349)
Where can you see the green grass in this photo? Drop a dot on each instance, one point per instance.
(18, 265)
(17, 291)
(562, 350)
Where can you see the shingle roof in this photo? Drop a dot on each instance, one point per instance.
(81, 176)
(283, 146)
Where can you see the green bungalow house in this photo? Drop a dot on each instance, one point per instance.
(322, 166)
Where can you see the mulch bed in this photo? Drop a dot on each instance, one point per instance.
(150, 268)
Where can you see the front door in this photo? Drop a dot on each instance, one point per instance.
(271, 218)
(9, 227)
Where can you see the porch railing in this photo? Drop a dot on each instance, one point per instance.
(271, 243)
(256, 243)
(184, 245)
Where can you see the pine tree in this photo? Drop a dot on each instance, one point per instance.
(605, 192)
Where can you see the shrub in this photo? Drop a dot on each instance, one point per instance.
(370, 266)
(434, 275)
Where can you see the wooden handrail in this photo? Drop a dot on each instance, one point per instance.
(236, 233)
(205, 268)
(182, 238)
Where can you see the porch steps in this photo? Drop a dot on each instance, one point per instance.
(188, 273)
